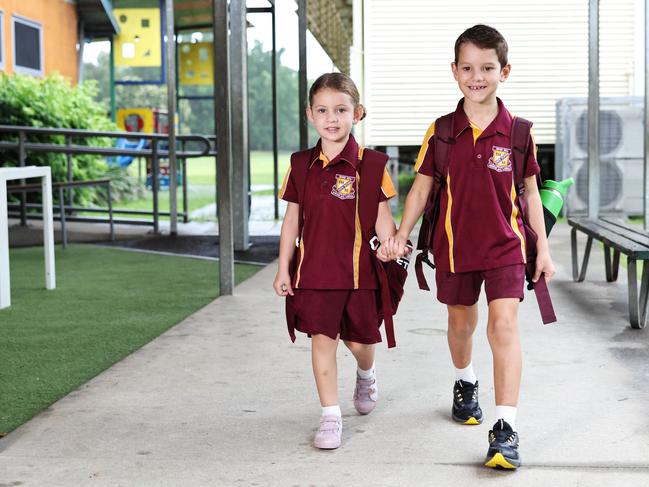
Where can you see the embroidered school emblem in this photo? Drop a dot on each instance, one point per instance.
(500, 160)
(344, 187)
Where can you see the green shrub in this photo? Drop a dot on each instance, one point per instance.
(53, 102)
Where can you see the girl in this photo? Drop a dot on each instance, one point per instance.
(330, 283)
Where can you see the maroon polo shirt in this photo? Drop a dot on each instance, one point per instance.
(332, 254)
(479, 225)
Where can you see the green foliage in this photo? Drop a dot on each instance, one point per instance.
(54, 103)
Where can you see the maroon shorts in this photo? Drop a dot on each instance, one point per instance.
(352, 314)
(464, 288)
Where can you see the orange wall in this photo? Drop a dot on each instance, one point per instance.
(58, 19)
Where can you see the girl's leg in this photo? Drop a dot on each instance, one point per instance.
(502, 332)
(325, 371)
(364, 354)
(462, 321)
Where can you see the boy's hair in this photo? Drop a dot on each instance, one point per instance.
(338, 82)
(485, 37)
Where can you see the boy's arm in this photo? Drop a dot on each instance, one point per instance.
(415, 205)
(282, 283)
(537, 222)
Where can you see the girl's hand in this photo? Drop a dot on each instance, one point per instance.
(544, 265)
(382, 254)
(282, 284)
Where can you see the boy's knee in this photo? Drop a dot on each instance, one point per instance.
(502, 328)
(460, 326)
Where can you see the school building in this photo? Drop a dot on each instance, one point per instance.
(41, 37)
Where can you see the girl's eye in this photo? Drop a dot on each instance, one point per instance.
(321, 110)
(489, 68)
(342, 110)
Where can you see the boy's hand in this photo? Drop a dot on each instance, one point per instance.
(382, 253)
(282, 284)
(397, 246)
(544, 265)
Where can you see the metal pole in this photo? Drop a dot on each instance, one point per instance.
(593, 109)
(170, 52)
(111, 78)
(275, 141)
(646, 115)
(155, 169)
(22, 156)
(224, 154)
(68, 143)
(82, 42)
(302, 81)
(239, 120)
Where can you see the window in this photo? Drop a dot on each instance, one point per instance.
(2, 37)
(28, 46)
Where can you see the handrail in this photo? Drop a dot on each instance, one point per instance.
(207, 143)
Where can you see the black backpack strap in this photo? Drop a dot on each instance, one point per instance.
(442, 140)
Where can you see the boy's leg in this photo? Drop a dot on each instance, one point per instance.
(462, 322)
(503, 335)
(325, 371)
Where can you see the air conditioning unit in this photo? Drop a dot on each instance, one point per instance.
(621, 153)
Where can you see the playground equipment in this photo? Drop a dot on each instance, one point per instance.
(145, 120)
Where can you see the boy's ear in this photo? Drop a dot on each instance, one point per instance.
(454, 70)
(309, 114)
(504, 73)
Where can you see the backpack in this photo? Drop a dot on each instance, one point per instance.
(391, 275)
(443, 139)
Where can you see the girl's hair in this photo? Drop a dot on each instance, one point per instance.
(338, 82)
(485, 37)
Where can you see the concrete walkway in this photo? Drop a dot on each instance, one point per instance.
(224, 399)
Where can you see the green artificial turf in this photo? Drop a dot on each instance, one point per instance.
(107, 304)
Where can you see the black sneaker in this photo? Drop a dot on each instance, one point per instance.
(503, 447)
(466, 409)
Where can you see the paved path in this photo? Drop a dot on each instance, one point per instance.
(224, 399)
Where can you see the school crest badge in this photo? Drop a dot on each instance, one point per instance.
(344, 187)
(500, 160)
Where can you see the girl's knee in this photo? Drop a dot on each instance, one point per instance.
(356, 347)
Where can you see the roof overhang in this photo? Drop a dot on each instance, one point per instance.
(97, 17)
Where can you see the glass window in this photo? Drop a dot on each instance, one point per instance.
(28, 47)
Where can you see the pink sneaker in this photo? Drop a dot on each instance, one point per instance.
(329, 435)
(365, 395)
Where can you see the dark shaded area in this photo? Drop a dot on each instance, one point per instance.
(264, 249)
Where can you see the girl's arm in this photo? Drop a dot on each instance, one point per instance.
(282, 283)
(385, 228)
(537, 222)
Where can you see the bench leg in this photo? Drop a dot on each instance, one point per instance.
(611, 266)
(578, 276)
(616, 264)
(634, 311)
(644, 294)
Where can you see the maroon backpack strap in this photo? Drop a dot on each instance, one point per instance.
(371, 165)
(442, 140)
(520, 141)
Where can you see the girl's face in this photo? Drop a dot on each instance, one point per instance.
(478, 73)
(333, 115)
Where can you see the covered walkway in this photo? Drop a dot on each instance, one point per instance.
(224, 399)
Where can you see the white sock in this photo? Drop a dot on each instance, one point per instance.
(466, 374)
(508, 413)
(331, 411)
(366, 374)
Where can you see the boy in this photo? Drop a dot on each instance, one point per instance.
(479, 234)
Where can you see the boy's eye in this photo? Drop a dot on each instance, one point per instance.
(466, 68)
(342, 110)
(320, 110)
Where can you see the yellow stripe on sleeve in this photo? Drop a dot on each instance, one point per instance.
(387, 186)
(282, 190)
(424, 146)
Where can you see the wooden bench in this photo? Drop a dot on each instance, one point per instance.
(617, 237)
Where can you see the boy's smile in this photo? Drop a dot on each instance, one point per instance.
(478, 74)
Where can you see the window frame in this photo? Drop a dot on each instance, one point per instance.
(2, 41)
(39, 27)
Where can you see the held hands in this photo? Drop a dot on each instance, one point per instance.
(544, 265)
(282, 284)
(392, 248)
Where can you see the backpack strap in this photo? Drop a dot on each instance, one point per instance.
(442, 141)
(371, 165)
(520, 140)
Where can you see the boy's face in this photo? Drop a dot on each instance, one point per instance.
(478, 73)
(332, 114)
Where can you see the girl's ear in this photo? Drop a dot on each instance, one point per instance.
(309, 114)
(359, 113)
